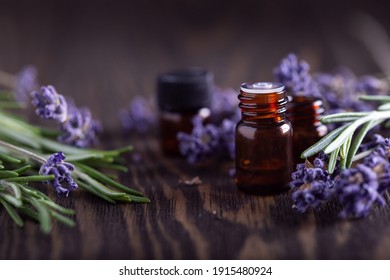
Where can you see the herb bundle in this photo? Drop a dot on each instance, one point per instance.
(29, 153)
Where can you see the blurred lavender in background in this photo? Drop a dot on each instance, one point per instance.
(295, 76)
(139, 116)
(207, 140)
(25, 83)
(341, 90)
(217, 138)
(201, 144)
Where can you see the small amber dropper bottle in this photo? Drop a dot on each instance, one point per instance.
(263, 140)
(304, 113)
(182, 95)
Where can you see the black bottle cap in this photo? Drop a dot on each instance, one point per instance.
(185, 89)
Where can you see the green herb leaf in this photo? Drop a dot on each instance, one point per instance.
(13, 214)
(333, 160)
(359, 139)
(323, 143)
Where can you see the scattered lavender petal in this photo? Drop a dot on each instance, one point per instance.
(191, 182)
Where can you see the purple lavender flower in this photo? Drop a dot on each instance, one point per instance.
(378, 161)
(77, 125)
(370, 85)
(140, 116)
(312, 185)
(312, 196)
(26, 82)
(56, 166)
(295, 76)
(79, 129)
(201, 144)
(357, 191)
(49, 104)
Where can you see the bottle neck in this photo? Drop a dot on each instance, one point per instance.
(268, 107)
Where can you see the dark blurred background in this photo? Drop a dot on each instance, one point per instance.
(103, 52)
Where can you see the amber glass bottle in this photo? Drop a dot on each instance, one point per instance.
(304, 113)
(182, 95)
(263, 140)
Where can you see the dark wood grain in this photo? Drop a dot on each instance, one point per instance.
(103, 52)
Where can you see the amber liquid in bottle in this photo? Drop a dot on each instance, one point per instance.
(263, 140)
(304, 113)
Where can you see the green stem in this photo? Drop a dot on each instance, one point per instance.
(343, 117)
(333, 160)
(379, 98)
(22, 151)
(323, 143)
(11, 211)
(33, 178)
(105, 179)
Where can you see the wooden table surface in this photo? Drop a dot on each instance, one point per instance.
(102, 53)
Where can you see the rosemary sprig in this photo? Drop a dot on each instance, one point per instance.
(343, 142)
(18, 198)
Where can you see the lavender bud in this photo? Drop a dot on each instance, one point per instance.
(49, 104)
(56, 166)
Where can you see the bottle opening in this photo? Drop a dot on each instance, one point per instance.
(262, 87)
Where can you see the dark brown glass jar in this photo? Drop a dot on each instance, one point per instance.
(263, 140)
(182, 95)
(304, 114)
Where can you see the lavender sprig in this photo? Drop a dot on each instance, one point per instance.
(61, 170)
(80, 129)
(49, 104)
(77, 126)
(17, 197)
